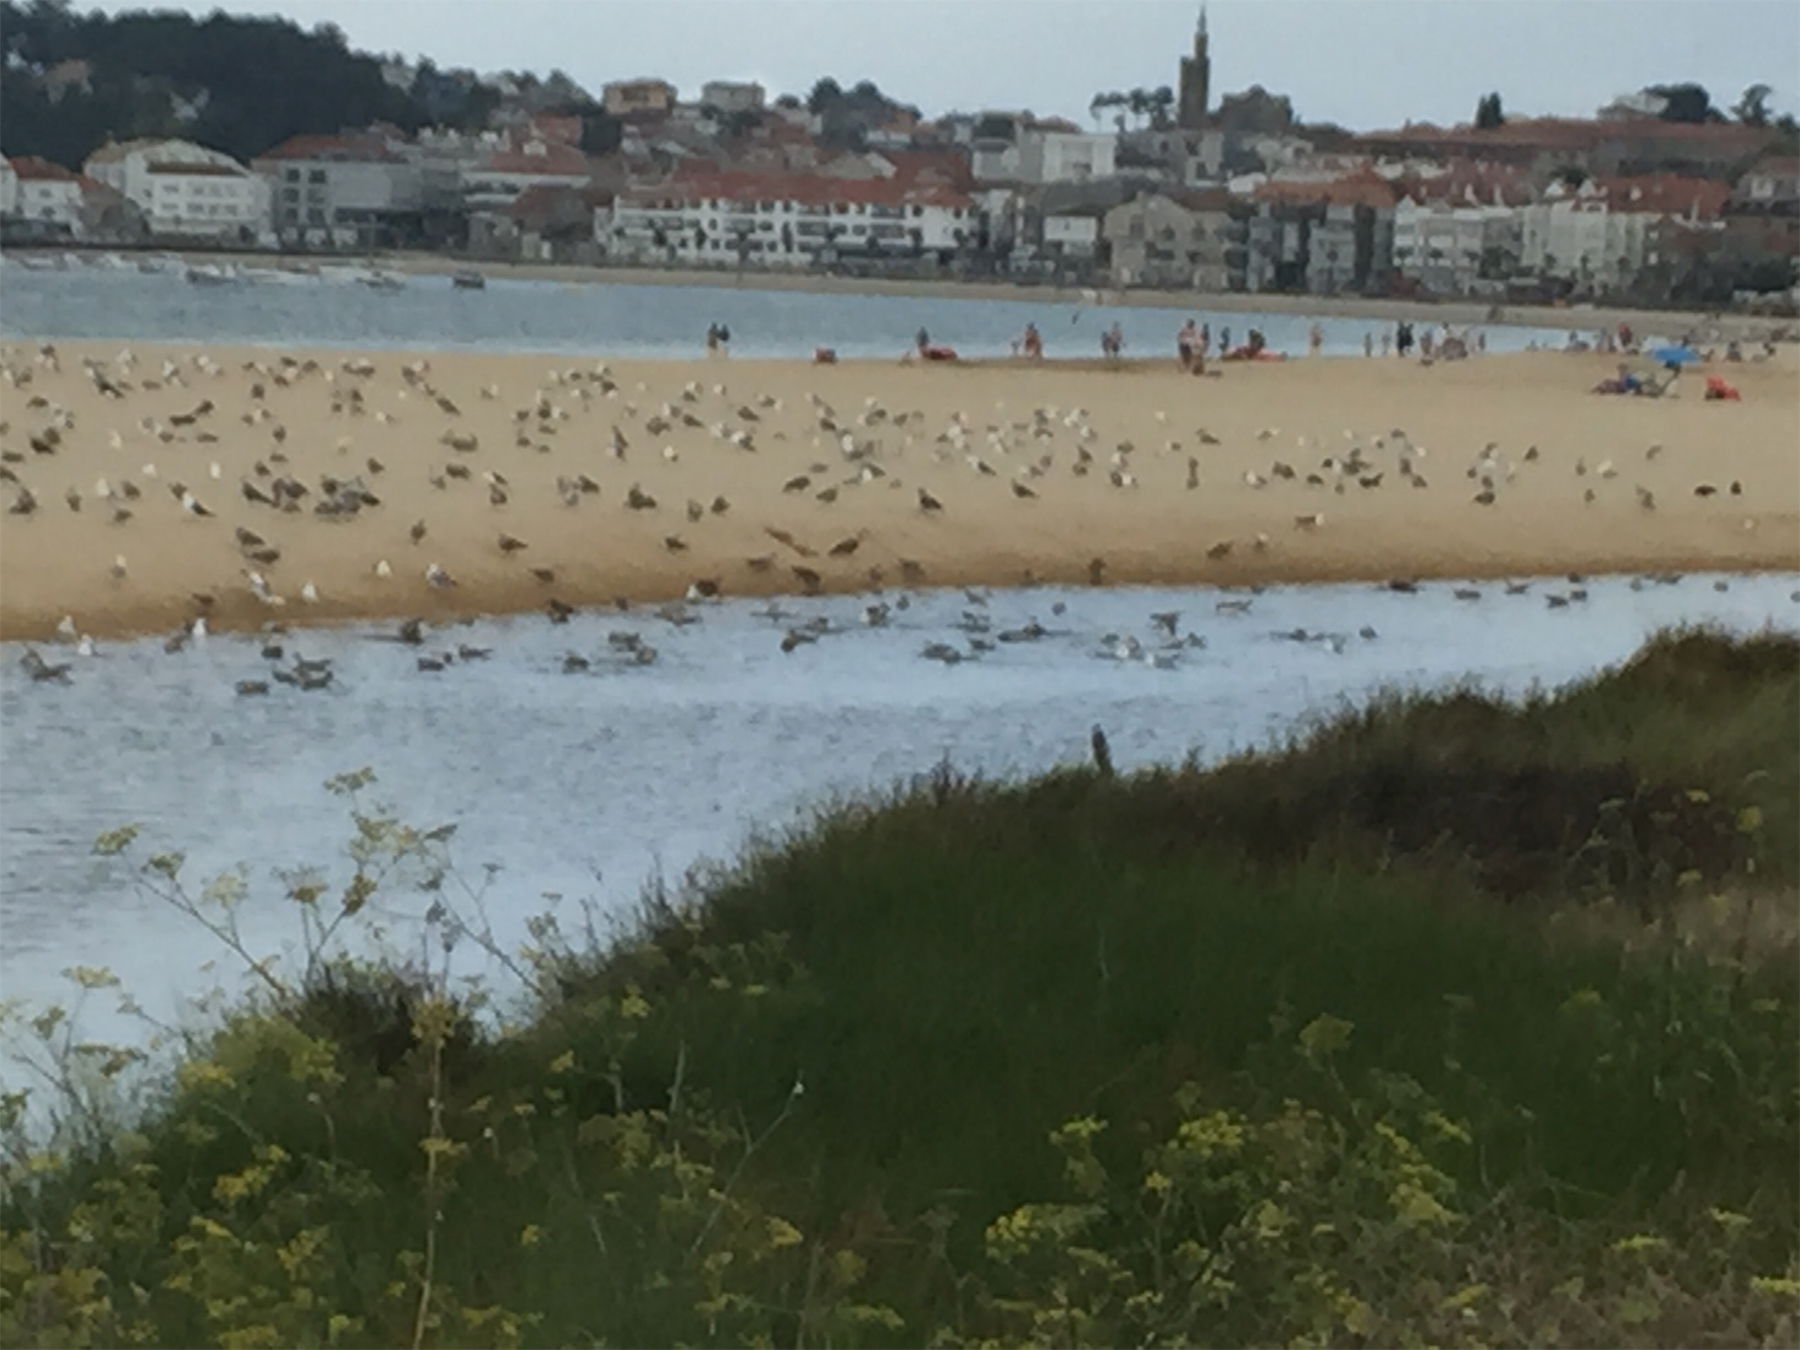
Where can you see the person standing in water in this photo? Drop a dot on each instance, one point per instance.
(1315, 339)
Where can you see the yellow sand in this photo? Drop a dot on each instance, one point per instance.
(58, 561)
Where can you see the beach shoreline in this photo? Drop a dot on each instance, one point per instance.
(1383, 311)
(1186, 481)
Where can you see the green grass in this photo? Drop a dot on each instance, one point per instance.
(1543, 927)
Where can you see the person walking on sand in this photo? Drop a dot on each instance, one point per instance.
(1184, 344)
(1315, 339)
(1112, 343)
(1387, 344)
(1033, 343)
(712, 339)
(1224, 342)
(1205, 343)
(1368, 344)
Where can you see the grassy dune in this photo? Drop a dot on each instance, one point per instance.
(1454, 1021)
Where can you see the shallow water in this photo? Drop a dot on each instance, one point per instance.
(614, 318)
(584, 785)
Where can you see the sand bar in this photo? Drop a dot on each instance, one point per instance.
(1088, 464)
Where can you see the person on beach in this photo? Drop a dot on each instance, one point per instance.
(1184, 344)
(712, 339)
(1387, 344)
(1368, 344)
(1224, 341)
(1033, 343)
(1403, 339)
(1112, 343)
(922, 341)
(724, 340)
(1315, 339)
(1427, 345)
(1205, 343)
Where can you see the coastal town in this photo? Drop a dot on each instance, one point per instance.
(1657, 199)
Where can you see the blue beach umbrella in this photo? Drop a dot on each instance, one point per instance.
(1675, 356)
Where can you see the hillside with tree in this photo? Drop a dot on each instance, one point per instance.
(73, 81)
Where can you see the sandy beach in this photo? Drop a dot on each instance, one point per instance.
(252, 485)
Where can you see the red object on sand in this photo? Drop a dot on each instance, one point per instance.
(936, 353)
(1717, 387)
(824, 356)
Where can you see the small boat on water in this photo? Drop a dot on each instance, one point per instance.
(468, 280)
(382, 281)
(206, 274)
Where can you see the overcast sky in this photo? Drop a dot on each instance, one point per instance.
(1366, 64)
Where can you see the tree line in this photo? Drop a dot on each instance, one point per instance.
(241, 85)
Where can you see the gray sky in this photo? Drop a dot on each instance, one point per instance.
(1364, 63)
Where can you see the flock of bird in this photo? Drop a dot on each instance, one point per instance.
(1162, 643)
(236, 477)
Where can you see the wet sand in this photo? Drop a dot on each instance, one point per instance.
(1104, 454)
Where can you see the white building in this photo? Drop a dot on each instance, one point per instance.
(732, 96)
(186, 190)
(340, 191)
(788, 220)
(46, 194)
(1601, 234)
(1015, 149)
(1453, 236)
(1073, 234)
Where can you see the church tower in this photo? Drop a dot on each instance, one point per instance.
(1196, 79)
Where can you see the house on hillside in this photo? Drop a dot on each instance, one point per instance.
(639, 98)
(495, 182)
(1178, 239)
(186, 191)
(1598, 237)
(40, 199)
(354, 191)
(1018, 148)
(1461, 232)
(1327, 238)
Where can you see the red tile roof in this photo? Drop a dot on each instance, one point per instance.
(341, 149)
(1483, 182)
(812, 188)
(1665, 194)
(34, 168)
(541, 201)
(1360, 189)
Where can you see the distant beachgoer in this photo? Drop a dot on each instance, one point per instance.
(724, 338)
(1112, 343)
(1625, 336)
(1403, 339)
(1427, 345)
(1185, 341)
(1733, 352)
(712, 339)
(1315, 339)
(1368, 344)
(1205, 338)
(1387, 343)
(923, 340)
(1481, 341)
(1224, 341)
(1033, 343)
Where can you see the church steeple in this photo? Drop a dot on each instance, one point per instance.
(1196, 79)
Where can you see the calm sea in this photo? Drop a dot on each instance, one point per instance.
(614, 318)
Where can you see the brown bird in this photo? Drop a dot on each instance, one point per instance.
(674, 543)
(496, 495)
(798, 483)
(249, 538)
(417, 531)
(808, 578)
(1022, 492)
(845, 547)
(544, 574)
(927, 502)
(639, 500)
(510, 544)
